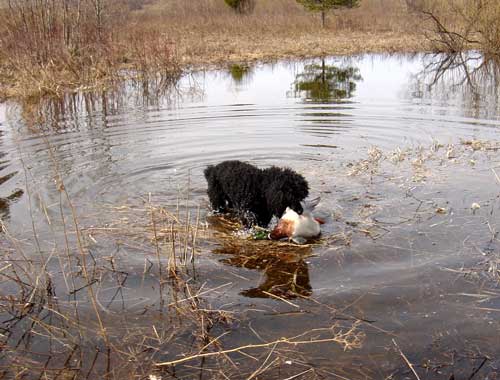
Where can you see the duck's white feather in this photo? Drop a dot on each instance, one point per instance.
(304, 225)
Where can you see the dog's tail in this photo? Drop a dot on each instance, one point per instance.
(208, 171)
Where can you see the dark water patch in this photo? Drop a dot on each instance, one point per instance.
(322, 146)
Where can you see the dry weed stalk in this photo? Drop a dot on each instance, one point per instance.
(349, 339)
(368, 165)
(39, 311)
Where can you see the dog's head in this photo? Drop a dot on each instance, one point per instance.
(284, 188)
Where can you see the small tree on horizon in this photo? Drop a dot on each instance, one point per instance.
(324, 6)
(241, 6)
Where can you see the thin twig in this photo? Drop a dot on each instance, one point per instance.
(496, 175)
(340, 337)
(281, 299)
(406, 360)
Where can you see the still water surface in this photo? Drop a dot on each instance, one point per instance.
(407, 270)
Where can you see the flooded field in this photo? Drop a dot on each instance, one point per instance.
(114, 267)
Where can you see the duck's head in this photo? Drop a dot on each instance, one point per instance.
(286, 225)
(295, 226)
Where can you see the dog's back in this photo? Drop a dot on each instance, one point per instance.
(233, 185)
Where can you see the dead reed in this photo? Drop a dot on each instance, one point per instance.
(48, 47)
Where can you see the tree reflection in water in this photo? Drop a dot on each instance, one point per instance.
(323, 83)
(85, 109)
(240, 74)
(468, 77)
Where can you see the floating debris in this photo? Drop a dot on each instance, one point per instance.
(451, 152)
(481, 144)
(475, 206)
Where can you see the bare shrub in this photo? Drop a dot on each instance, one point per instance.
(241, 6)
(47, 47)
(458, 25)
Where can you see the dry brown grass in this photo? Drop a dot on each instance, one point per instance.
(50, 47)
(47, 48)
(207, 32)
(284, 16)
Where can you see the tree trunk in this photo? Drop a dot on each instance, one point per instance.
(98, 8)
(323, 70)
(323, 16)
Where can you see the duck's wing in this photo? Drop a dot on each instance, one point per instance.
(310, 204)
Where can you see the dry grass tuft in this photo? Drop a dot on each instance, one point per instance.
(418, 157)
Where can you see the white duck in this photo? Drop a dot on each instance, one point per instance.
(298, 228)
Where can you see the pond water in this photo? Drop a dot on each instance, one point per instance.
(397, 148)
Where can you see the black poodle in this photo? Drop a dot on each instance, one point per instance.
(254, 195)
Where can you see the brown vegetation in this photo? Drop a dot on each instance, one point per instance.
(209, 32)
(458, 25)
(48, 47)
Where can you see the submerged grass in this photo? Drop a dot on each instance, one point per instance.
(426, 165)
(73, 311)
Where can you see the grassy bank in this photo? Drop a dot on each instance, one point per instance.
(47, 48)
(242, 48)
(210, 33)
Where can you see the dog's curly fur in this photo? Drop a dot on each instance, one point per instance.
(254, 195)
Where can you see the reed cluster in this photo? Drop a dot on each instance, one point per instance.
(83, 306)
(48, 47)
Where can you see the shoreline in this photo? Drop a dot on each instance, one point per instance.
(310, 45)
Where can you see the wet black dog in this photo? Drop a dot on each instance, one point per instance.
(254, 195)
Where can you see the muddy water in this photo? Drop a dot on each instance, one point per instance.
(402, 251)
